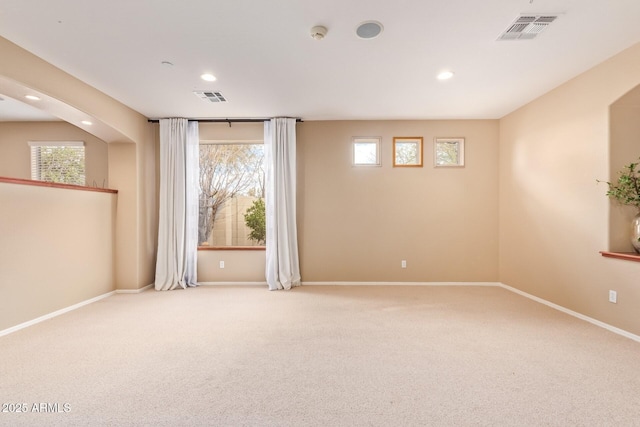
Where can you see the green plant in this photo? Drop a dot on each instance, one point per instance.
(626, 190)
(256, 221)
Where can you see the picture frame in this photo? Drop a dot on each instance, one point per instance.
(407, 151)
(365, 151)
(448, 152)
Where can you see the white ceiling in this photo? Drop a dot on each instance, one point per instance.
(12, 110)
(266, 63)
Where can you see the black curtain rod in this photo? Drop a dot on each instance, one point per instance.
(226, 120)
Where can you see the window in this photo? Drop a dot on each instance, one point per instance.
(231, 211)
(61, 162)
(407, 151)
(366, 151)
(449, 152)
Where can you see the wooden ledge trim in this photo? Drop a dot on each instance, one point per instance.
(629, 256)
(34, 183)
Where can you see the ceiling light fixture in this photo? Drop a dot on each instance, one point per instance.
(369, 30)
(32, 97)
(445, 75)
(86, 122)
(207, 77)
(318, 32)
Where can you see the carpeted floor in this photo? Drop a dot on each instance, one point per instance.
(319, 356)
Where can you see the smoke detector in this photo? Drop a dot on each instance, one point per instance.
(527, 27)
(318, 32)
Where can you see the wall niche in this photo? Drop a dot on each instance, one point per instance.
(624, 148)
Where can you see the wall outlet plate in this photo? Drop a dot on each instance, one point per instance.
(221, 264)
(613, 297)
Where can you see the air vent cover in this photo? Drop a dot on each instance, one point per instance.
(527, 27)
(210, 96)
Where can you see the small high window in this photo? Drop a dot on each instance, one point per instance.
(449, 152)
(61, 162)
(366, 151)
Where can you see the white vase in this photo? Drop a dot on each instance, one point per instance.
(635, 232)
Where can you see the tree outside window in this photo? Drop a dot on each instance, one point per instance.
(61, 162)
(231, 181)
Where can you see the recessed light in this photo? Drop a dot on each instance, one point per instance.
(32, 97)
(445, 75)
(369, 29)
(208, 77)
(166, 64)
(86, 122)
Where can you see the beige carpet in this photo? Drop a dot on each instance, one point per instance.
(320, 356)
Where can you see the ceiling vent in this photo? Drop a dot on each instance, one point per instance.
(527, 27)
(209, 96)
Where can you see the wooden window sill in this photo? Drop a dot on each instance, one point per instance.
(55, 185)
(629, 256)
(231, 248)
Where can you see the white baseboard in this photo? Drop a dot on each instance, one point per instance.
(502, 285)
(54, 314)
(133, 291)
(400, 284)
(498, 284)
(573, 313)
(232, 283)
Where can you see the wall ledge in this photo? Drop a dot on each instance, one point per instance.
(34, 183)
(629, 256)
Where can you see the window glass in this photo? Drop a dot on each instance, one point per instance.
(231, 211)
(449, 152)
(366, 151)
(407, 151)
(61, 162)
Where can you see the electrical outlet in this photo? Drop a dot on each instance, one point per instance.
(613, 297)
(221, 264)
(404, 263)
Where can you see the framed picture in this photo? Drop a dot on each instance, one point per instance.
(407, 151)
(448, 152)
(366, 150)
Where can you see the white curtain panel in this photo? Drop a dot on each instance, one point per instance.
(283, 268)
(178, 220)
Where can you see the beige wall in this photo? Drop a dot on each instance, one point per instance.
(56, 249)
(146, 208)
(246, 266)
(356, 224)
(15, 155)
(133, 174)
(235, 132)
(553, 215)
